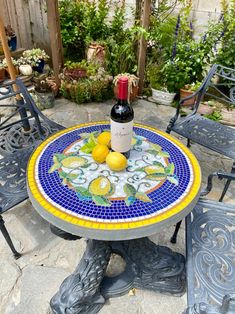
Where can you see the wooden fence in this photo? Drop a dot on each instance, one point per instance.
(29, 20)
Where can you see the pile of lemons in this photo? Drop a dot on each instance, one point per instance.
(101, 153)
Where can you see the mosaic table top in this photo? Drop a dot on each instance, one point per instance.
(159, 187)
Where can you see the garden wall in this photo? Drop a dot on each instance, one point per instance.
(29, 19)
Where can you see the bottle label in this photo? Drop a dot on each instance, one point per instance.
(121, 136)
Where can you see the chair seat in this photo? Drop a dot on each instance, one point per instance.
(208, 133)
(13, 179)
(210, 252)
(16, 147)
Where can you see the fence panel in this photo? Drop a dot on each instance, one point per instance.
(29, 20)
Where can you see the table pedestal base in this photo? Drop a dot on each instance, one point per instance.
(148, 266)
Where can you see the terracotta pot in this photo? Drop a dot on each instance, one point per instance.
(133, 94)
(96, 53)
(16, 70)
(185, 93)
(75, 74)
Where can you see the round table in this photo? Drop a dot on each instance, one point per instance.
(159, 187)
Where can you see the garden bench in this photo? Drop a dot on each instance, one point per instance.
(21, 131)
(218, 85)
(210, 255)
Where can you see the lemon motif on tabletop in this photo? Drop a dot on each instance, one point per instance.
(73, 162)
(159, 172)
(100, 186)
(98, 191)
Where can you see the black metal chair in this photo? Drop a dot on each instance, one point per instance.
(210, 255)
(220, 85)
(21, 131)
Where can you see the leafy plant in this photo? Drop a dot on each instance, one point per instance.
(155, 75)
(33, 57)
(190, 58)
(83, 22)
(192, 87)
(165, 27)
(122, 55)
(215, 116)
(5, 65)
(227, 50)
(72, 16)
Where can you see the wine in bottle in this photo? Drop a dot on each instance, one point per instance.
(122, 116)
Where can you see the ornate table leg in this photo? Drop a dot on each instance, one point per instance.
(80, 293)
(148, 266)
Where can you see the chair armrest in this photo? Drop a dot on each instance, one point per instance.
(221, 175)
(198, 93)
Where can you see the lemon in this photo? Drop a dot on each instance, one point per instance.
(100, 186)
(99, 153)
(116, 161)
(73, 162)
(154, 169)
(104, 138)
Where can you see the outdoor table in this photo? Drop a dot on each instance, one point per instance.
(116, 211)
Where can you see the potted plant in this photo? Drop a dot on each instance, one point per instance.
(35, 57)
(132, 85)
(96, 53)
(75, 70)
(15, 63)
(157, 80)
(95, 86)
(188, 90)
(11, 36)
(44, 91)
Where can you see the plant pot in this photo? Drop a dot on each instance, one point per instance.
(25, 69)
(46, 100)
(185, 93)
(162, 98)
(96, 53)
(2, 74)
(39, 68)
(12, 43)
(75, 74)
(16, 70)
(132, 95)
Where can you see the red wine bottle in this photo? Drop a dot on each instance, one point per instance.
(122, 116)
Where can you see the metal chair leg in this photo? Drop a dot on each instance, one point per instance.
(188, 143)
(226, 186)
(8, 239)
(177, 227)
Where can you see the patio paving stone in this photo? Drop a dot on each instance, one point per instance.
(27, 285)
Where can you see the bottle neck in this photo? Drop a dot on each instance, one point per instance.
(123, 102)
(122, 91)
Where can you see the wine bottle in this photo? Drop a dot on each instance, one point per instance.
(122, 116)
